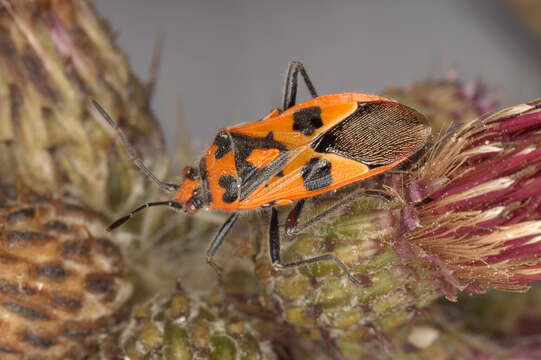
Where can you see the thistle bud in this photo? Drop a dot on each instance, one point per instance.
(54, 57)
(181, 326)
(321, 301)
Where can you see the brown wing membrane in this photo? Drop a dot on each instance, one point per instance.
(376, 134)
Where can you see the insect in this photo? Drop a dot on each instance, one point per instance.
(295, 152)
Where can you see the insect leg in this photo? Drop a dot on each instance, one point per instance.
(274, 248)
(293, 217)
(289, 94)
(293, 229)
(218, 240)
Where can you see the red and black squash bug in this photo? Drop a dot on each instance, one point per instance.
(295, 152)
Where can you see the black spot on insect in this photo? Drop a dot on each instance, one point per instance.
(316, 174)
(231, 186)
(280, 174)
(223, 142)
(307, 120)
(250, 176)
(270, 136)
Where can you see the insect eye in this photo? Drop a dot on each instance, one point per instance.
(190, 207)
(190, 172)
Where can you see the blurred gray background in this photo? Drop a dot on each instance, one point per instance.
(223, 61)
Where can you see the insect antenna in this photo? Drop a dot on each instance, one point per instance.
(131, 151)
(124, 219)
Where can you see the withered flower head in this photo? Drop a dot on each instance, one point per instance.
(479, 202)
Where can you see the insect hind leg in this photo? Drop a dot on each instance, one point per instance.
(274, 248)
(289, 94)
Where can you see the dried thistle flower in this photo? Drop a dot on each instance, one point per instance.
(60, 278)
(478, 193)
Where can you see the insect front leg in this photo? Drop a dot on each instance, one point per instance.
(289, 94)
(274, 249)
(217, 242)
